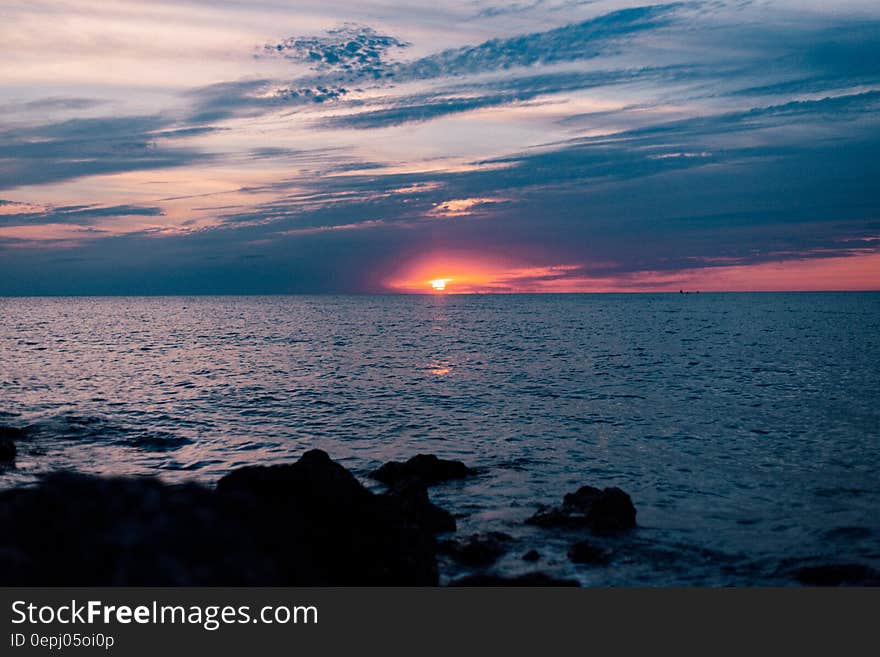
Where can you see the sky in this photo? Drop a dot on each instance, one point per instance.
(280, 146)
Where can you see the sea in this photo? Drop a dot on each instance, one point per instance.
(745, 427)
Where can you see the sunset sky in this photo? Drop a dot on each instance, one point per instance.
(280, 146)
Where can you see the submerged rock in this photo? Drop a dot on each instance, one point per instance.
(427, 467)
(477, 549)
(529, 579)
(307, 523)
(842, 574)
(586, 552)
(601, 510)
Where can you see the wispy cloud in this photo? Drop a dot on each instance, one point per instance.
(86, 147)
(14, 213)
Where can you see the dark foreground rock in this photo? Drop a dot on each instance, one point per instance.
(11, 433)
(477, 549)
(585, 552)
(411, 495)
(427, 467)
(8, 436)
(603, 511)
(530, 579)
(7, 451)
(308, 523)
(844, 574)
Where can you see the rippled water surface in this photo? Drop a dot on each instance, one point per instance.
(745, 427)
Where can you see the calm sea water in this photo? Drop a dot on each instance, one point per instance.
(746, 427)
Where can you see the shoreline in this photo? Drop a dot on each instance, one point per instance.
(308, 523)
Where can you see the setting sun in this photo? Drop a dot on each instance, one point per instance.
(439, 284)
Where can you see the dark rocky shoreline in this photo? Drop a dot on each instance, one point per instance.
(309, 523)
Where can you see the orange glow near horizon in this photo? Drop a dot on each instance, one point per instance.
(473, 274)
(435, 272)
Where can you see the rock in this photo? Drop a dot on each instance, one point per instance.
(7, 451)
(11, 433)
(76, 530)
(427, 467)
(310, 523)
(8, 436)
(588, 553)
(530, 579)
(477, 549)
(601, 510)
(315, 480)
(352, 536)
(411, 495)
(844, 574)
(531, 555)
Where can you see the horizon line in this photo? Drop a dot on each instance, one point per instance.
(424, 294)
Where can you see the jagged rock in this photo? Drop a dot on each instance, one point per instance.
(530, 579)
(427, 467)
(588, 553)
(601, 510)
(308, 523)
(477, 549)
(842, 574)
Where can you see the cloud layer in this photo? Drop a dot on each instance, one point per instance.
(541, 146)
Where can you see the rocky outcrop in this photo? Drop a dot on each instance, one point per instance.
(602, 511)
(427, 467)
(307, 523)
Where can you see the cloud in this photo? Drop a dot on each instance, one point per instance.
(14, 213)
(253, 98)
(625, 146)
(357, 50)
(463, 207)
(454, 99)
(84, 147)
(585, 40)
(356, 54)
(52, 104)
